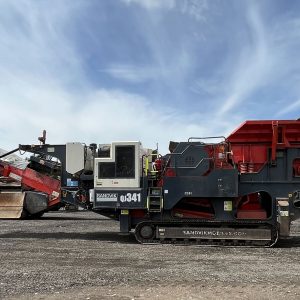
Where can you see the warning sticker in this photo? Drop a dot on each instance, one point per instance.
(227, 205)
(284, 213)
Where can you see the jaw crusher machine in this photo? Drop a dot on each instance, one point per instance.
(243, 190)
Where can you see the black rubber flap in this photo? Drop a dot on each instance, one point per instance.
(35, 202)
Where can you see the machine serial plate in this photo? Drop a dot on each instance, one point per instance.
(214, 233)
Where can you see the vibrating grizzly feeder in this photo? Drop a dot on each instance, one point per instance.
(244, 190)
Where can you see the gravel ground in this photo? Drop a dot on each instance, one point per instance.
(81, 256)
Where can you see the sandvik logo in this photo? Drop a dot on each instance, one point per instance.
(107, 197)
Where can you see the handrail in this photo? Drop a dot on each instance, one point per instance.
(145, 160)
(207, 137)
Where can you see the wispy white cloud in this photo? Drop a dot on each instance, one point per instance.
(44, 82)
(252, 67)
(44, 86)
(152, 4)
(34, 42)
(292, 107)
(262, 60)
(196, 9)
(132, 73)
(104, 116)
(209, 86)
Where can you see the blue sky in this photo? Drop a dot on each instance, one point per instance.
(149, 70)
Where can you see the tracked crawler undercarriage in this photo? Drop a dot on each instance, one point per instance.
(220, 233)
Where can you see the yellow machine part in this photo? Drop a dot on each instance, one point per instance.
(11, 205)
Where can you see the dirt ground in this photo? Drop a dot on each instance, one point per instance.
(81, 256)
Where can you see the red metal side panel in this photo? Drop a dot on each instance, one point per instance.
(262, 132)
(251, 141)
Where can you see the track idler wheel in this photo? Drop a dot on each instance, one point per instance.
(145, 233)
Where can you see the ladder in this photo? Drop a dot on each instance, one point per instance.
(155, 199)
